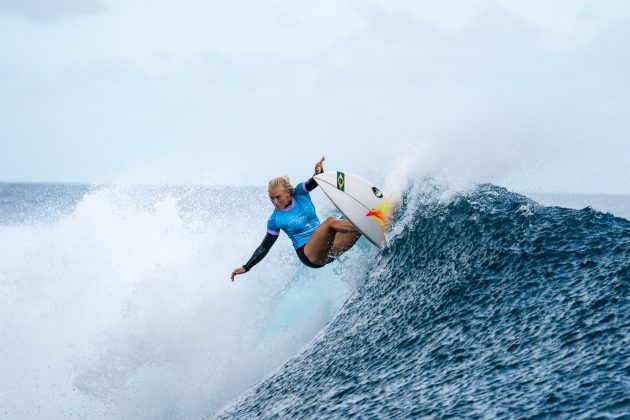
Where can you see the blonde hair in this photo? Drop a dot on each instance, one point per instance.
(281, 182)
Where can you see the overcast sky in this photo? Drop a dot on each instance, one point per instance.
(534, 95)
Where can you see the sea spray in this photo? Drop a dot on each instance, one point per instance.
(119, 304)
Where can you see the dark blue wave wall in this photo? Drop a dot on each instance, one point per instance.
(489, 306)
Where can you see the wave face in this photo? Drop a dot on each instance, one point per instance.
(489, 305)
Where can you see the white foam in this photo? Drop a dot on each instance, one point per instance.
(125, 308)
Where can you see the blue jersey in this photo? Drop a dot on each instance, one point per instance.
(298, 219)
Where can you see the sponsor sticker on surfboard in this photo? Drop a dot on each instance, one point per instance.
(341, 181)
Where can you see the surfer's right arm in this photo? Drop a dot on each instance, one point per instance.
(258, 254)
(311, 184)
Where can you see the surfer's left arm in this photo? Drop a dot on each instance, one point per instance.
(311, 184)
(258, 255)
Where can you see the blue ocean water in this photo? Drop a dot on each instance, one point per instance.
(115, 302)
(486, 306)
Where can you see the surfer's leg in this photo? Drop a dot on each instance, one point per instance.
(321, 242)
(343, 242)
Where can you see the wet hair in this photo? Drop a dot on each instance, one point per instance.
(281, 182)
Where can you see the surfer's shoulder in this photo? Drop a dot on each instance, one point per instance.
(300, 189)
(305, 188)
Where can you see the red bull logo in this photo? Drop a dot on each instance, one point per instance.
(379, 213)
(376, 213)
(383, 214)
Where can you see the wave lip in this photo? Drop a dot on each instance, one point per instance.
(488, 305)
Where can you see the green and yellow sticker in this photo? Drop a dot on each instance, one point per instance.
(341, 181)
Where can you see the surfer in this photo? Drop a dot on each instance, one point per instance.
(315, 243)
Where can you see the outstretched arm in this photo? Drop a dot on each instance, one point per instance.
(311, 184)
(257, 256)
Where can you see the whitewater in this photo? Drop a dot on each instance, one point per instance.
(116, 303)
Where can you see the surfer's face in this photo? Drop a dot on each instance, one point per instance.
(280, 198)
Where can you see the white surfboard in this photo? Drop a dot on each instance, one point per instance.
(364, 205)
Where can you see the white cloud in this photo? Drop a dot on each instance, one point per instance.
(562, 23)
(275, 79)
(43, 10)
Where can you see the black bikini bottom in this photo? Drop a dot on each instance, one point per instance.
(307, 262)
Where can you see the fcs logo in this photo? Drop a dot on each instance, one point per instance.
(377, 192)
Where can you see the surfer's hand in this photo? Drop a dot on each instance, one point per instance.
(319, 166)
(238, 271)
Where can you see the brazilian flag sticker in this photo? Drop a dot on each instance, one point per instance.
(341, 181)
